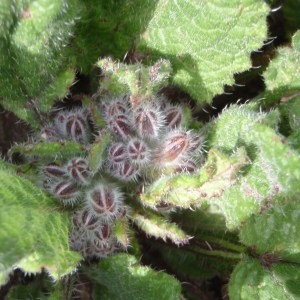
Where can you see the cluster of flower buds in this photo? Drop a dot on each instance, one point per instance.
(92, 226)
(100, 205)
(148, 137)
(64, 181)
(72, 183)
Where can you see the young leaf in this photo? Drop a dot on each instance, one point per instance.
(158, 227)
(244, 126)
(205, 185)
(121, 277)
(97, 153)
(206, 42)
(33, 233)
(250, 280)
(49, 150)
(140, 81)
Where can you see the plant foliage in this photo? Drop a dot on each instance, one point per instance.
(117, 161)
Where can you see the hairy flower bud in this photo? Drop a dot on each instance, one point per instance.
(195, 143)
(104, 201)
(103, 232)
(120, 126)
(73, 125)
(114, 107)
(138, 152)
(48, 133)
(117, 153)
(185, 165)
(147, 121)
(174, 147)
(78, 170)
(126, 171)
(67, 192)
(173, 117)
(53, 170)
(88, 220)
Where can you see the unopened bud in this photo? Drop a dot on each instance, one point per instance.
(173, 117)
(117, 153)
(53, 170)
(104, 201)
(175, 145)
(79, 171)
(138, 152)
(120, 126)
(147, 121)
(65, 191)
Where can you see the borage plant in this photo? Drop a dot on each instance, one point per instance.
(114, 166)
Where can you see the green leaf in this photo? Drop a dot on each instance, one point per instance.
(274, 170)
(290, 11)
(157, 226)
(33, 56)
(49, 150)
(97, 153)
(251, 281)
(121, 277)
(208, 183)
(33, 232)
(282, 77)
(195, 265)
(277, 231)
(290, 121)
(110, 28)
(206, 41)
(39, 288)
(140, 81)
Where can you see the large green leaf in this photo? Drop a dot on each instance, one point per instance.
(109, 28)
(277, 231)
(122, 277)
(271, 175)
(33, 55)
(251, 281)
(33, 232)
(206, 41)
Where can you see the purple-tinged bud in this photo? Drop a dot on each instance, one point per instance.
(49, 133)
(88, 220)
(138, 152)
(126, 171)
(174, 147)
(103, 232)
(117, 153)
(173, 117)
(104, 201)
(102, 250)
(53, 170)
(147, 121)
(120, 126)
(195, 142)
(73, 125)
(67, 192)
(78, 170)
(77, 241)
(114, 107)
